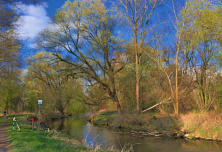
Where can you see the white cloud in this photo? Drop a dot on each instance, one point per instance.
(33, 19)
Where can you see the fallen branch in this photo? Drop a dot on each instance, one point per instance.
(163, 102)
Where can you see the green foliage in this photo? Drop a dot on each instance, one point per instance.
(49, 80)
(11, 94)
(76, 106)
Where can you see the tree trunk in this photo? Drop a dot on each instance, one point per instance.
(115, 99)
(177, 102)
(177, 62)
(137, 84)
(158, 104)
(119, 110)
(137, 73)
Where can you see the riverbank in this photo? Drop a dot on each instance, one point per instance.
(50, 141)
(207, 126)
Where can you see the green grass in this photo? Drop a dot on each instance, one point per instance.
(103, 117)
(27, 140)
(214, 133)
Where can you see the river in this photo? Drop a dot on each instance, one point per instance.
(106, 138)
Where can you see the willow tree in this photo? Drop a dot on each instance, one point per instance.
(138, 14)
(83, 38)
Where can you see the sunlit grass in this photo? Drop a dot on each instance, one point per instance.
(27, 140)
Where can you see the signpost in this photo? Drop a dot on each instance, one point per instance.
(39, 103)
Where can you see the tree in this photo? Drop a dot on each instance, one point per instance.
(83, 38)
(138, 13)
(9, 62)
(162, 77)
(126, 79)
(180, 23)
(8, 43)
(56, 86)
(201, 45)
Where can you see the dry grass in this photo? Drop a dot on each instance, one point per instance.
(203, 125)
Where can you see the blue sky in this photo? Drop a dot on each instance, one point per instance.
(38, 16)
(33, 19)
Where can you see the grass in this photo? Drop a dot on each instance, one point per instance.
(102, 118)
(206, 125)
(27, 140)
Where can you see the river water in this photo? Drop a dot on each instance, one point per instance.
(107, 139)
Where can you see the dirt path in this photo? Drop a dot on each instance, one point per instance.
(4, 143)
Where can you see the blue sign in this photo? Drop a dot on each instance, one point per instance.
(39, 101)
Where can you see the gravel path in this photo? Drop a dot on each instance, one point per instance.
(4, 143)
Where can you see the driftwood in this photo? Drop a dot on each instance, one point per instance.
(163, 102)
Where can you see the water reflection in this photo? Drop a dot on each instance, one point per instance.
(105, 138)
(100, 137)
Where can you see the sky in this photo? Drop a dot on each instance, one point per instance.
(35, 17)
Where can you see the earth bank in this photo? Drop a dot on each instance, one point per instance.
(207, 126)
